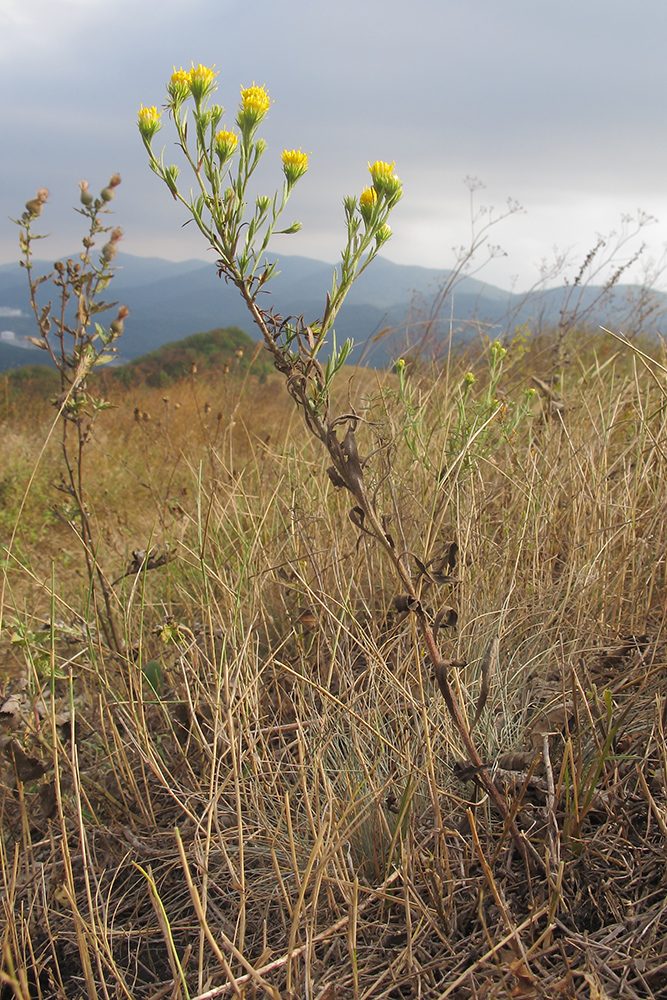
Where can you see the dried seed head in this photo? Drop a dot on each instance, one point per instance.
(34, 206)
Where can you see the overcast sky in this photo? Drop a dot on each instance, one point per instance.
(559, 104)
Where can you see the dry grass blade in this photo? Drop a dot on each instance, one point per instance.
(488, 669)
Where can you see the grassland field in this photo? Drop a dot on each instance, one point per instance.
(261, 793)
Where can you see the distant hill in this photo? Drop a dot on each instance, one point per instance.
(16, 355)
(170, 301)
(228, 350)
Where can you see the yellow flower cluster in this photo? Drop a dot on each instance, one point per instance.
(255, 99)
(385, 180)
(226, 142)
(199, 81)
(295, 158)
(181, 77)
(201, 75)
(381, 170)
(295, 164)
(148, 121)
(149, 116)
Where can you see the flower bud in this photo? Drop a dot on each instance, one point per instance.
(110, 249)
(171, 176)
(114, 180)
(107, 194)
(350, 205)
(383, 234)
(85, 197)
(204, 119)
(116, 327)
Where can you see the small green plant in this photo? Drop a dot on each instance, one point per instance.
(477, 416)
(77, 344)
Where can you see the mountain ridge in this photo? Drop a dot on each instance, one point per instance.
(169, 301)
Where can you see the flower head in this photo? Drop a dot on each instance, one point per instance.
(368, 197)
(498, 352)
(380, 169)
(255, 99)
(202, 82)
(295, 164)
(225, 143)
(149, 122)
(367, 202)
(181, 77)
(178, 87)
(255, 103)
(385, 180)
(34, 206)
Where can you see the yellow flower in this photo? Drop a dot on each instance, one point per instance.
(255, 99)
(149, 115)
(367, 202)
(385, 181)
(381, 170)
(148, 121)
(368, 198)
(202, 74)
(202, 82)
(181, 77)
(295, 158)
(295, 164)
(226, 142)
(178, 87)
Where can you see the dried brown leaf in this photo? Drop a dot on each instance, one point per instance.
(27, 768)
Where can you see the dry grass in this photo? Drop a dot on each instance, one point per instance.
(265, 796)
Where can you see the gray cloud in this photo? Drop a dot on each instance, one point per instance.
(557, 104)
